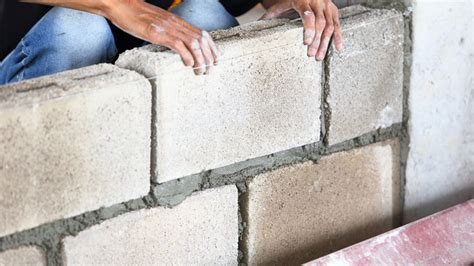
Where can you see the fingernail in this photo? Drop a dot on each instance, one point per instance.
(340, 49)
(319, 56)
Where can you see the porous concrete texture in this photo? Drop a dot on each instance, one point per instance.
(300, 212)
(72, 143)
(365, 82)
(263, 97)
(22, 256)
(202, 230)
(440, 169)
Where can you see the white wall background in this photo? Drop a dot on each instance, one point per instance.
(440, 169)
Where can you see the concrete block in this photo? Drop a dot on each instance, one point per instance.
(301, 212)
(264, 97)
(71, 143)
(440, 168)
(366, 79)
(202, 230)
(23, 256)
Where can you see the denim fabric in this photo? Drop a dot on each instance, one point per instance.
(208, 15)
(66, 39)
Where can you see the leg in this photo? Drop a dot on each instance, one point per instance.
(207, 15)
(63, 39)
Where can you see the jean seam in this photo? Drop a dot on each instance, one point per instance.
(26, 54)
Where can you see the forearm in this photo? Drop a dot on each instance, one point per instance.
(93, 6)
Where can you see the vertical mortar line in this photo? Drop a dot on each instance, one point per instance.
(405, 137)
(243, 223)
(54, 254)
(153, 137)
(325, 107)
(322, 117)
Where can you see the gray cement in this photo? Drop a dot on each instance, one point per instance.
(48, 236)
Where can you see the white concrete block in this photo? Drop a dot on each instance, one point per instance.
(23, 256)
(366, 79)
(264, 97)
(202, 230)
(71, 143)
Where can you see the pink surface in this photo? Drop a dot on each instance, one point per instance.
(445, 238)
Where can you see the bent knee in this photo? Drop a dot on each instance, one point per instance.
(83, 36)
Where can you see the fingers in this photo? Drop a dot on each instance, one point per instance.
(326, 36)
(321, 23)
(206, 51)
(199, 60)
(200, 45)
(214, 50)
(337, 30)
(307, 15)
(195, 47)
(184, 53)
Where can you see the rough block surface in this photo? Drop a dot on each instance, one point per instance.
(71, 143)
(201, 230)
(366, 79)
(23, 256)
(301, 212)
(262, 98)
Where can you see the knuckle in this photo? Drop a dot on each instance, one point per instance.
(321, 22)
(176, 43)
(150, 30)
(330, 28)
(189, 41)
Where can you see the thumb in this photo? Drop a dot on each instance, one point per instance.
(276, 11)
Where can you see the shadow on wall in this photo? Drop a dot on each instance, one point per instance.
(439, 204)
(336, 241)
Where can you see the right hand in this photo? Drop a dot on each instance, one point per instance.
(158, 26)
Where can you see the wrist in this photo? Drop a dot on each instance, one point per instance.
(103, 8)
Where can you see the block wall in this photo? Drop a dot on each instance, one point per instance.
(272, 158)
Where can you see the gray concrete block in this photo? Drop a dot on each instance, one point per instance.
(366, 79)
(297, 213)
(264, 97)
(71, 143)
(202, 230)
(23, 256)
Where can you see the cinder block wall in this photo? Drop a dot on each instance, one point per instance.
(273, 158)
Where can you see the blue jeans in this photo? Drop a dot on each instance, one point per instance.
(66, 39)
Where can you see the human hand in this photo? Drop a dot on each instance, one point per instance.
(320, 21)
(158, 26)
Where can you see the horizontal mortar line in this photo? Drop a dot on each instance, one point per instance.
(73, 225)
(312, 152)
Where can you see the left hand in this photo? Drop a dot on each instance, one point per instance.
(320, 21)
